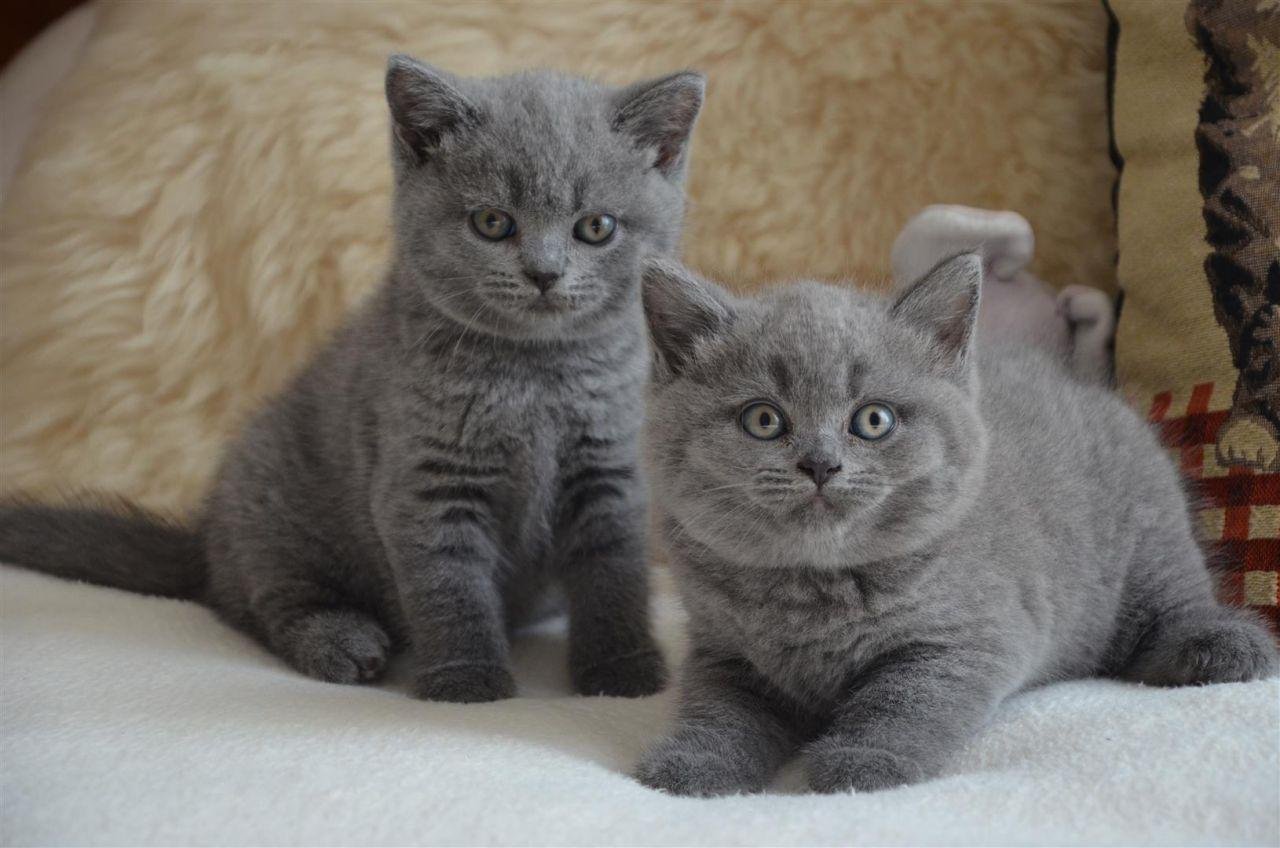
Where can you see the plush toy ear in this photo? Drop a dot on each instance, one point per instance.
(1004, 239)
(682, 311)
(944, 303)
(425, 105)
(659, 115)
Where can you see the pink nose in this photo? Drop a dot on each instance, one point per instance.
(542, 279)
(818, 468)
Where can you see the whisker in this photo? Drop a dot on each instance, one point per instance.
(466, 328)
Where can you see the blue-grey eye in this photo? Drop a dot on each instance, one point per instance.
(763, 421)
(873, 421)
(597, 228)
(492, 224)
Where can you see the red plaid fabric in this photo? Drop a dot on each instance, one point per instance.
(1239, 509)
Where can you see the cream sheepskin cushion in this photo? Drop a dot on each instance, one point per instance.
(208, 192)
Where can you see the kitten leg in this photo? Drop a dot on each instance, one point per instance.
(1203, 644)
(445, 564)
(316, 634)
(340, 645)
(730, 736)
(604, 568)
(904, 719)
(1177, 633)
(293, 604)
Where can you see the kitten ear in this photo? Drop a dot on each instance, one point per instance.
(660, 114)
(425, 105)
(681, 310)
(944, 302)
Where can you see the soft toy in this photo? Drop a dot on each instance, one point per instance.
(1076, 323)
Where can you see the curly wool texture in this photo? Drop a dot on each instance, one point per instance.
(209, 191)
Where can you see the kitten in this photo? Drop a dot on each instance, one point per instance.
(880, 532)
(468, 441)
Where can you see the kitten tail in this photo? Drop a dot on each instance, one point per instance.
(114, 544)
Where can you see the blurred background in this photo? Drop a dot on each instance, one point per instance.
(205, 191)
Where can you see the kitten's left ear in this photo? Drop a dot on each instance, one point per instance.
(944, 302)
(660, 114)
(682, 311)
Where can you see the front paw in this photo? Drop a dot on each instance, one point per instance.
(465, 683)
(679, 767)
(834, 767)
(1250, 440)
(630, 676)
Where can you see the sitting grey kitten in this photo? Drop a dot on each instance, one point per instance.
(469, 439)
(880, 533)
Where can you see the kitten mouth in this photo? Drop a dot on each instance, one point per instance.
(547, 306)
(818, 506)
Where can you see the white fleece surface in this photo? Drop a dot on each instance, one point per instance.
(131, 720)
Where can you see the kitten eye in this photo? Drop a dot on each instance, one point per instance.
(492, 224)
(873, 421)
(763, 421)
(595, 229)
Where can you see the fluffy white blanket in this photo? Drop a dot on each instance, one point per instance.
(131, 720)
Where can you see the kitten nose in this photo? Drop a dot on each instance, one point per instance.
(544, 280)
(819, 468)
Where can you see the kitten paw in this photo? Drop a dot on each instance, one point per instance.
(679, 768)
(465, 683)
(1231, 652)
(336, 645)
(1226, 649)
(630, 676)
(834, 767)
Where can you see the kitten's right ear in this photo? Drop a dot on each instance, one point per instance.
(659, 115)
(944, 303)
(425, 105)
(682, 310)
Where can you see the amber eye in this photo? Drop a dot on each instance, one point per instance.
(492, 224)
(763, 421)
(873, 421)
(595, 229)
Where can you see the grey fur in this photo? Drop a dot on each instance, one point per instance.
(468, 441)
(1017, 527)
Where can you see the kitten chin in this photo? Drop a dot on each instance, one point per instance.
(773, 545)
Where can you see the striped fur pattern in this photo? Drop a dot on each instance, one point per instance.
(465, 449)
(1017, 526)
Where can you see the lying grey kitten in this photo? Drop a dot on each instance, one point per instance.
(470, 437)
(880, 533)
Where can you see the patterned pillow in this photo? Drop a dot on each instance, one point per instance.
(1196, 133)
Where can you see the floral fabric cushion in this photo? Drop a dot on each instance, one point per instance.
(1196, 132)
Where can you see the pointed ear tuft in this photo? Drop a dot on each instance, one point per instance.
(659, 115)
(682, 310)
(944, 303)
(425, 105)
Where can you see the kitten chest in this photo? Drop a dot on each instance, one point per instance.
(806, 631)
(543, 423)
